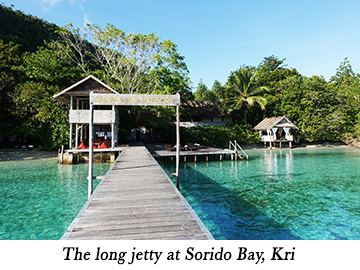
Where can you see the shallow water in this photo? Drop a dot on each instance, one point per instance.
(277, 194)
(40, 198)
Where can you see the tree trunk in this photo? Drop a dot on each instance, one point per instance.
(245, 116)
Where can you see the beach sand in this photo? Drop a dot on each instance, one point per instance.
(7, 154)
(260, 146)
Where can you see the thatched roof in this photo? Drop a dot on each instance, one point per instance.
(278, 122)
(83, 88)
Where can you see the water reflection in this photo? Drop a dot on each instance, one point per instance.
(278, 194)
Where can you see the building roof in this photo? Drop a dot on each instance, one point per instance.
(278, 122)
(203, 108)
(83, 88)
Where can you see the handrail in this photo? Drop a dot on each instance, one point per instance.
(242, 150)
(235, 145)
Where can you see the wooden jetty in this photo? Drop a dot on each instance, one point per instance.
(158, 151)
(136, 200)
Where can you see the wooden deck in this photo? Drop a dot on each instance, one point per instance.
(136, 200)
(159, 151)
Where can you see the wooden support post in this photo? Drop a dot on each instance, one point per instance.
(112, 135)
(71, 135)
(184, 159)
(62, 155)
(81, 132)
(113, 129)
(71, 126)
(91, 148)
(177, 146)
(195, 159)
(220, 157)
(76, 135)
(207, 158)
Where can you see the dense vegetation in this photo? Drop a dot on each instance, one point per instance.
(323, 110)
(34, 68)
(37, 61)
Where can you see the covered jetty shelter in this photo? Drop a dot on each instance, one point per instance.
(276, 130)
(106, 117)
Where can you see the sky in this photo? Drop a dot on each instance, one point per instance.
(217, 37)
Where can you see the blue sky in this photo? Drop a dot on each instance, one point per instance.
(217, 37)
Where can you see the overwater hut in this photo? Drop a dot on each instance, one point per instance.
(106, 119)
(276, 130)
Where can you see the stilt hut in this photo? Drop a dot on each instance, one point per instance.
(106, 119)
(276, 130)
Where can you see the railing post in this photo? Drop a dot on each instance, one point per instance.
(177, 146)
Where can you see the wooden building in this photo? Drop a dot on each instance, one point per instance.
(106, 118)
(276, 130)
(203, 113)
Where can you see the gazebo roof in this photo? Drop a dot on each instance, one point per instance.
(275, 122)
(83, 88)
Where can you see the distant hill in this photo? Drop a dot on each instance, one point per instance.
(26, 30)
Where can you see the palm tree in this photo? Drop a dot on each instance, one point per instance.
(242, 93)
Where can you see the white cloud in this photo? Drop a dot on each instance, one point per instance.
(77, 2)
(50, 2)
(86, 19)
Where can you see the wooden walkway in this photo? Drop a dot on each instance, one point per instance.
(136, 200)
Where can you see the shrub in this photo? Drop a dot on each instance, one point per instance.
(219, 136)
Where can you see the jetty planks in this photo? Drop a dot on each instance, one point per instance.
(136, 201)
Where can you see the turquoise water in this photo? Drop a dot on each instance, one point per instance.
(40, 198)
(277, 194)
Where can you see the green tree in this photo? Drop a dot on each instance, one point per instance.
(137, 63)
(203, 93)
(345, 85)
(242, 92)
(218, 91)
(8, 58)
(43, 73)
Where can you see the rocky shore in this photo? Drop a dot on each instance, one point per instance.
(352, 141)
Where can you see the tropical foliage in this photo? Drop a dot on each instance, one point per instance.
(38, 59)
(59, 57)
(242, 92)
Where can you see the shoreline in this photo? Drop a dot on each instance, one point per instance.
(251, 147)
(13, 154)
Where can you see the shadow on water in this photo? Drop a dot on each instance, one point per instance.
(225, 212)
